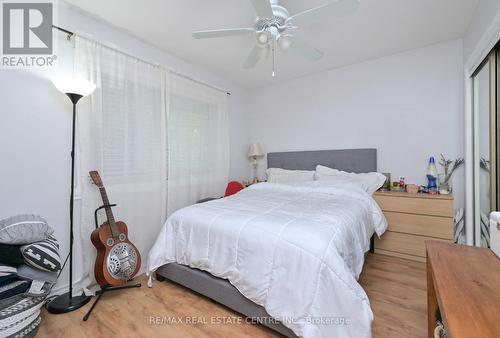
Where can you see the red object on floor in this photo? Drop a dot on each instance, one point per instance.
(233, 187)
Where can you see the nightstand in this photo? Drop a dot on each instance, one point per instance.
(413, 219)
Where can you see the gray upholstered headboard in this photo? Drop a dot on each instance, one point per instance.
(351, 160)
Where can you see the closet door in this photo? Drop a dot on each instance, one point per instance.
(485, 145)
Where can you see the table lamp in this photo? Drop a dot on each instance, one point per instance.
(254, 153)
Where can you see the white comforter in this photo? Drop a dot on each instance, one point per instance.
(296, 250)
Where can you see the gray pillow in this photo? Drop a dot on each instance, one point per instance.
(24, 229)
(29, 273)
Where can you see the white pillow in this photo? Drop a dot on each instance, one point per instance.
(369, 181)
(278, 175)
(342, 181)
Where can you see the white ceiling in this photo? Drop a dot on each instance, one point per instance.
(379, 28)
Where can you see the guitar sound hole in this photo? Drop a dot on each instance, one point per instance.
(110, 242)
(122, 237)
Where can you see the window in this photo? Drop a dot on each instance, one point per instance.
(131, 113)
(188, 133)
(198, 142)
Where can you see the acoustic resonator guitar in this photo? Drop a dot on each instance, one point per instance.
(118, 260)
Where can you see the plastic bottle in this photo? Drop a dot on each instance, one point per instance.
(432, 176)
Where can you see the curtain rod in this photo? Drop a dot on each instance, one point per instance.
(70, 34)
(63, 30)
(197, 81)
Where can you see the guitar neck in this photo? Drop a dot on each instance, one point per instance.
(109, 212)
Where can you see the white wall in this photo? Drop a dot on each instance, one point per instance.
(408, 106)
(35, 129)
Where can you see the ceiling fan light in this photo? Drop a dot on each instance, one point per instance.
(263, 38)
(285, 42)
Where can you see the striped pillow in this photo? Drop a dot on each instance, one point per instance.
(43, 255)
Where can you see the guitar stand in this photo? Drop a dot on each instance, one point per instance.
(106, 288)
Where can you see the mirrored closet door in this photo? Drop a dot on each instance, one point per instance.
(485, 110)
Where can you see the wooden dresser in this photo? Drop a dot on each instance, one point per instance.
(463, 290)
(413, 219)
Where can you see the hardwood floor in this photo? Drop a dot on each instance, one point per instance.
(396, 288)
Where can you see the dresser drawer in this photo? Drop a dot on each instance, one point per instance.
(416, 205)
(403, 243)
(423, 225)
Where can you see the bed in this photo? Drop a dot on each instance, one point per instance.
(248, 251)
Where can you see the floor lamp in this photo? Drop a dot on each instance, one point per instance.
(75, 89)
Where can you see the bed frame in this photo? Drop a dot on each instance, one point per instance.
(223, 292)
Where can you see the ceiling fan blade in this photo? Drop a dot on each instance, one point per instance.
(302, 48)
(219, 33)
(263, 8)
(252, 58)
(335, 9)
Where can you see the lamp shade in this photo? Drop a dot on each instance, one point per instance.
(255, 150)
(71, 85)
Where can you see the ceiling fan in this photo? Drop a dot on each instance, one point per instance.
(274, 26)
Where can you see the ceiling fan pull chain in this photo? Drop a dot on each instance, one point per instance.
(274, 57)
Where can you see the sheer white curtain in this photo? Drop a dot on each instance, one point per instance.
(198, 139)
(122, 134)
(160, 142)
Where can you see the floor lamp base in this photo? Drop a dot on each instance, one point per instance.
(64, 303)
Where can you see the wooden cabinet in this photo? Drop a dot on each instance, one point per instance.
(413, 219)
(463, 289)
